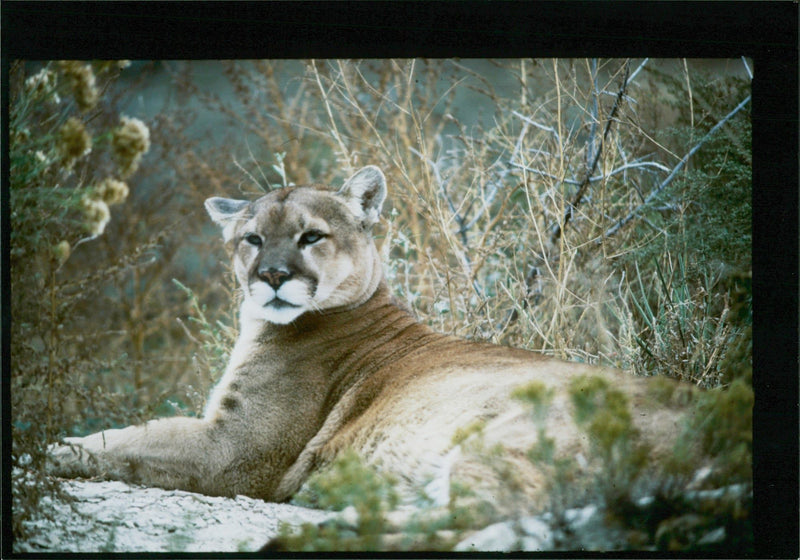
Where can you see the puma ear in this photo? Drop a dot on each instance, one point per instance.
(225, 212)
(364, 193)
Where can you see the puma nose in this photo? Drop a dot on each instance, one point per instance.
(274, 277)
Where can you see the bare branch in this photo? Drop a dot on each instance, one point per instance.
(587, 179)
(542, 173)
(633, 165)
(334, 128)
(638, 69)
(530, 121)
(747, 68)
(621, 223)
(518, 145)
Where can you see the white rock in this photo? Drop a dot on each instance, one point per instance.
(499, 537)
(578, 517)
(713, 537)
(531, 544)
(539, 536)
(112, 516)
(350, 516)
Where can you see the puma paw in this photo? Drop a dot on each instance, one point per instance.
(70, 459)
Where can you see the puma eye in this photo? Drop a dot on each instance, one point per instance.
(310, 237)
(253, 239)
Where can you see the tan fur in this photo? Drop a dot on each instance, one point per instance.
(352, 369)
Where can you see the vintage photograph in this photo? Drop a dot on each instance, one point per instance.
(415, 304)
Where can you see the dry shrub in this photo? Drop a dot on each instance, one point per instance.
(524, 226)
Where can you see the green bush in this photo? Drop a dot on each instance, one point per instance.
(690, 288)
(603, 413)
(347, 482)
(70, 157)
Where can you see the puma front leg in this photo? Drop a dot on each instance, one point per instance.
(176, 453)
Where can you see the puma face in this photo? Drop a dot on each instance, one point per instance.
(304, 249)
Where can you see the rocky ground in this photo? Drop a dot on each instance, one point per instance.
(117, 517)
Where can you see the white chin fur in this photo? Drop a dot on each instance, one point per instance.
(282, 315)
(294, 293)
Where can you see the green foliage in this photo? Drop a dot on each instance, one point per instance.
(560, 471)
(684, 284)
(670, 392)
(723, 425)
(464, 433)
(714, 223)
(538, 396)
(603, 413)
(465, 511)
(347, 482)
(216, 339)
(65, 173)
(687, 330)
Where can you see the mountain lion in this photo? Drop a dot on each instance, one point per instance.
(326, 360)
